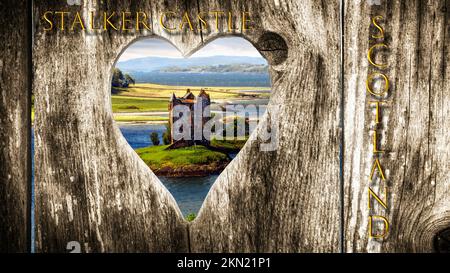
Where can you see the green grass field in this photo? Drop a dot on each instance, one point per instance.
(123, 104)
(231, 145)
(157, 157)
(150, 90)
(139, 118)
(148, 97)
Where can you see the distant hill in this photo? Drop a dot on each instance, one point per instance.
(242, 68)
(153, 64)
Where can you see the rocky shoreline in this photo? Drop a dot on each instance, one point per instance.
(192, 170)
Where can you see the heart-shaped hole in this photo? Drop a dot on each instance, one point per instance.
(187, 118)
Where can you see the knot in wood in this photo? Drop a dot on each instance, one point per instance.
(273, 47)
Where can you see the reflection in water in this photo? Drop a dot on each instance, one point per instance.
(189, 192)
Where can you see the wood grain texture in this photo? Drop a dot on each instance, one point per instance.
(92, 187)
(285, 200)
(415, 124)
(14, 127)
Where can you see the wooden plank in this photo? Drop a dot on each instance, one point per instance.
(414, 127)
(14, 127)
(91, 187)
(285, 199)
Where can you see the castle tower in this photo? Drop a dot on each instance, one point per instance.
(172, 103)
(200, 102)
(205, 101)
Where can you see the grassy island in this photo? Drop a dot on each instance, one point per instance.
(195, 160)
(229, 146)
(189, 161)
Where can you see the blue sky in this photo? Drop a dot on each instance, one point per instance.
(228, 46)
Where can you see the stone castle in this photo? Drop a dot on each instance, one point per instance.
(190, 100)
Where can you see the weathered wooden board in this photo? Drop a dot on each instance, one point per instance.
(415, 124)
(14, 127)
(92, 188)
(285, 200)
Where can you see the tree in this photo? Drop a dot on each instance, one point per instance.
(191, 217)
(237, 122)
(121, 80)
(154, 138)
(118, 78)
(166, 135)
(129, 79)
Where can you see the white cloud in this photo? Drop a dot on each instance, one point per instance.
(150, 47)
(229, 46)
